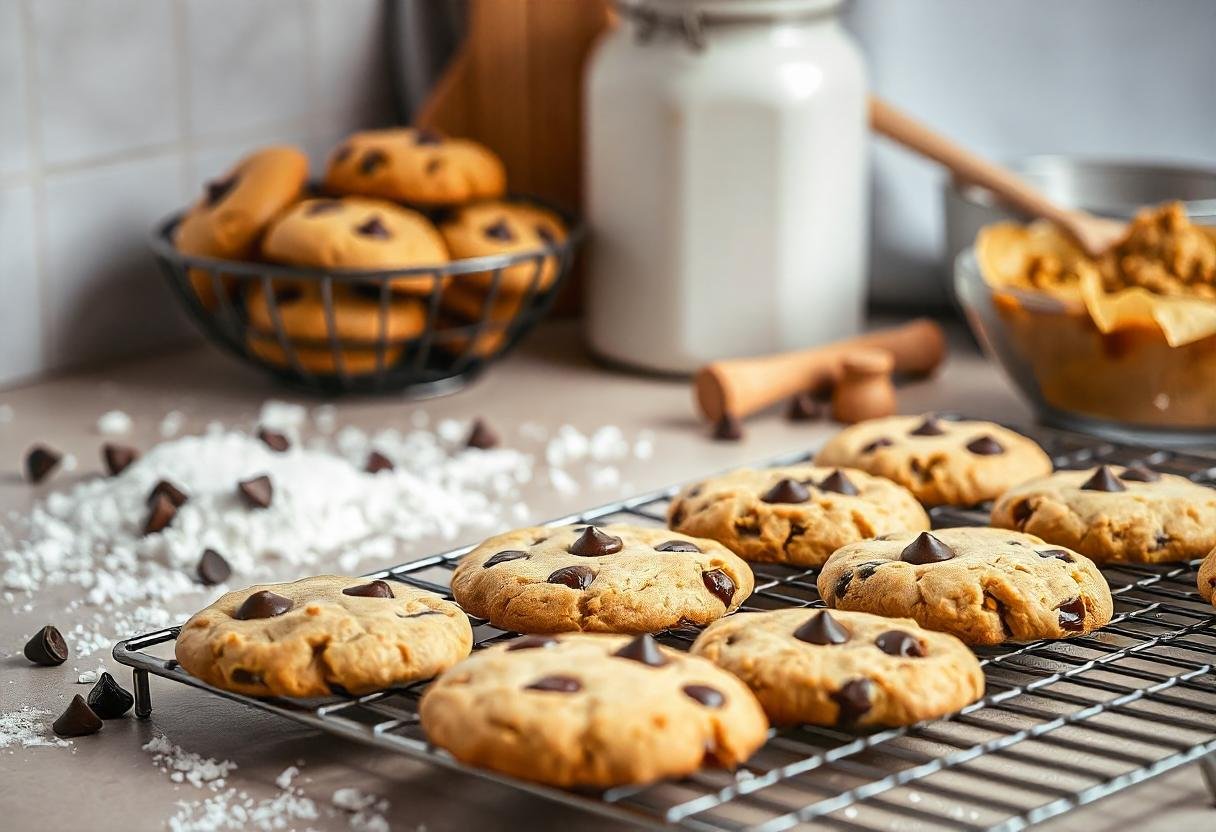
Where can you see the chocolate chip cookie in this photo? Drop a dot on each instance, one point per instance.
(986, 586)
(308, 637)
(941, 462)
(487, 228)
(616, 579)
(798, 514)
(1206, 579)
(592, 710)
(844, 668)
(1112, 513)
(412, 165)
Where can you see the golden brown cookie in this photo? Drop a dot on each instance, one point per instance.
(234, 211)
(304, 638)
(1206, 579)
(488, 228)
(799, 514)
(418, 166)
(591, 710)
(464, 304)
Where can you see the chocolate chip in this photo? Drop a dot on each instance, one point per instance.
(1103, 479)
(274, 440)
(868, 569)
(322, 206)
(118, 458)
(532, 643)
(433, 166)
(217, 189)
(1072, 615)
(263, 604)
(164, 488)
(575, 577)
(47, 647)
(481, 436)
(246, 677)
(840, 484)
(1162, 540)
(880, 442)
(377, 462)
(372, 160)
(719, 585)
(256, 492)
(556, 684)
(373, 227)
(677, 546)
(1138, 473)
(787, 491)
(39, 463)
(853, 700)
(728, 429)
(1060, 554)
(899, 643)
(500, 231)
(424, 136)
(985, 446)
(160, 514)
(546, 236)
(803, 408)
(998, 606)
(375, 589)
(929, 427)
(1021, 513)
(707, 696)
(643, 649)
(108, 699)
(593, 543)
(212, 569)
(926, 549)
(503, 557)
(77, 721)
(821, 628)
(842, 584)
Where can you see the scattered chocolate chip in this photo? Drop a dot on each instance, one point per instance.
(985, 446)
(274, 440)
(546, 236)
(164, 488)
(377, 462)
(212, 569)
(503, 557)
(375, 589)
(47, 647)
(899, 643)
(532, 642)
(426, 136)
(108, 699)
(1072, 615)
(1138, 473)
(500, 231)
(719, 585)
(853, 700)
(556, 684)
(707, 696)
(160, 514)
(677, 546)
(840, 484)
(926, 549)
(322, 206)
(787, 491)
(880, 442)
(929, 427)
(643, 649)
(40, 462)
(247, 677)
(118, 457)
(803, 408)
(263, 604)
(1103, 479)
(575, 577)
(77, 721)
(217, 189)
(372, 160)
(481, 436)
(373, 227)
(1021, 513)
(1060, 554)
(842, 584)
(728, 429)
(593, 543)
(822, 628)
(256, 492)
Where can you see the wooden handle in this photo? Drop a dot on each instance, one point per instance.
(743, 386)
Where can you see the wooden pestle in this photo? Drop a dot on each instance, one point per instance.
(743, 386)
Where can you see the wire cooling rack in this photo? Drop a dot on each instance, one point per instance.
(1063, 723)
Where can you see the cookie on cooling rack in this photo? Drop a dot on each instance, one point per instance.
(616, 579)
(1206, 578)
(304, 638)
(844, 668)
(986, 586)
(1112, 513)
(591, 710)
(798, 514)
(941, 462)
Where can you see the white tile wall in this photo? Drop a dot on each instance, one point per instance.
(112, 114)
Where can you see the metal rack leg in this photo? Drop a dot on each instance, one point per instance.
(143, 697)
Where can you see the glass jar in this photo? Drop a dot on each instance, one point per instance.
(726, 181)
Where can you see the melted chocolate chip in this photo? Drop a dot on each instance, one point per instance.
(985, 446)
(77, 721)
(108, 699)
(1138, 473)
(842, 584)
(787, 491)
(424, 136)
(899, 643)
(532, 643)
(503, 557)
(217, 189)
(869, 568)
(274, 440)
(212, 569)
(160, 515)
(322, 206)
(1072, 615)
(803, 408)
(375, 589)
(643, 649)
(838, 483)
(880, 442)
(926, 549)
(373, 227)
(371, 161)
(575, 577)
(247, 677)
(118, 458)
(39, 463)
(256, 492)
(481, 436)
(677, 546)
(593, 543)
(719, 585)
(707, 696)
(1103, 479)
(47, 647)
(556, 684)
(263, 604)
(377, 462)
(1021, 513)
(853, 699)
(728, 429)
(1060, 554)
(998, 606)
(500, 231)
(1162, 540)
(929, 427)
(822, 628)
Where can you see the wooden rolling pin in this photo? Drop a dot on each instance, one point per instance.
(743, 386)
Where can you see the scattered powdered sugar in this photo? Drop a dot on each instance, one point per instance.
(114, 423)
(186, 766)
(284, 417)
(171, 424)
(28, 728)
(367, 810)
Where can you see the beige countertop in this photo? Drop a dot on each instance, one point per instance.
(108, 782)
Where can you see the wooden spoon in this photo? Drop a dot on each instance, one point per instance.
(1094, 234)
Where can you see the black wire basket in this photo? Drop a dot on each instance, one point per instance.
(442, 351)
